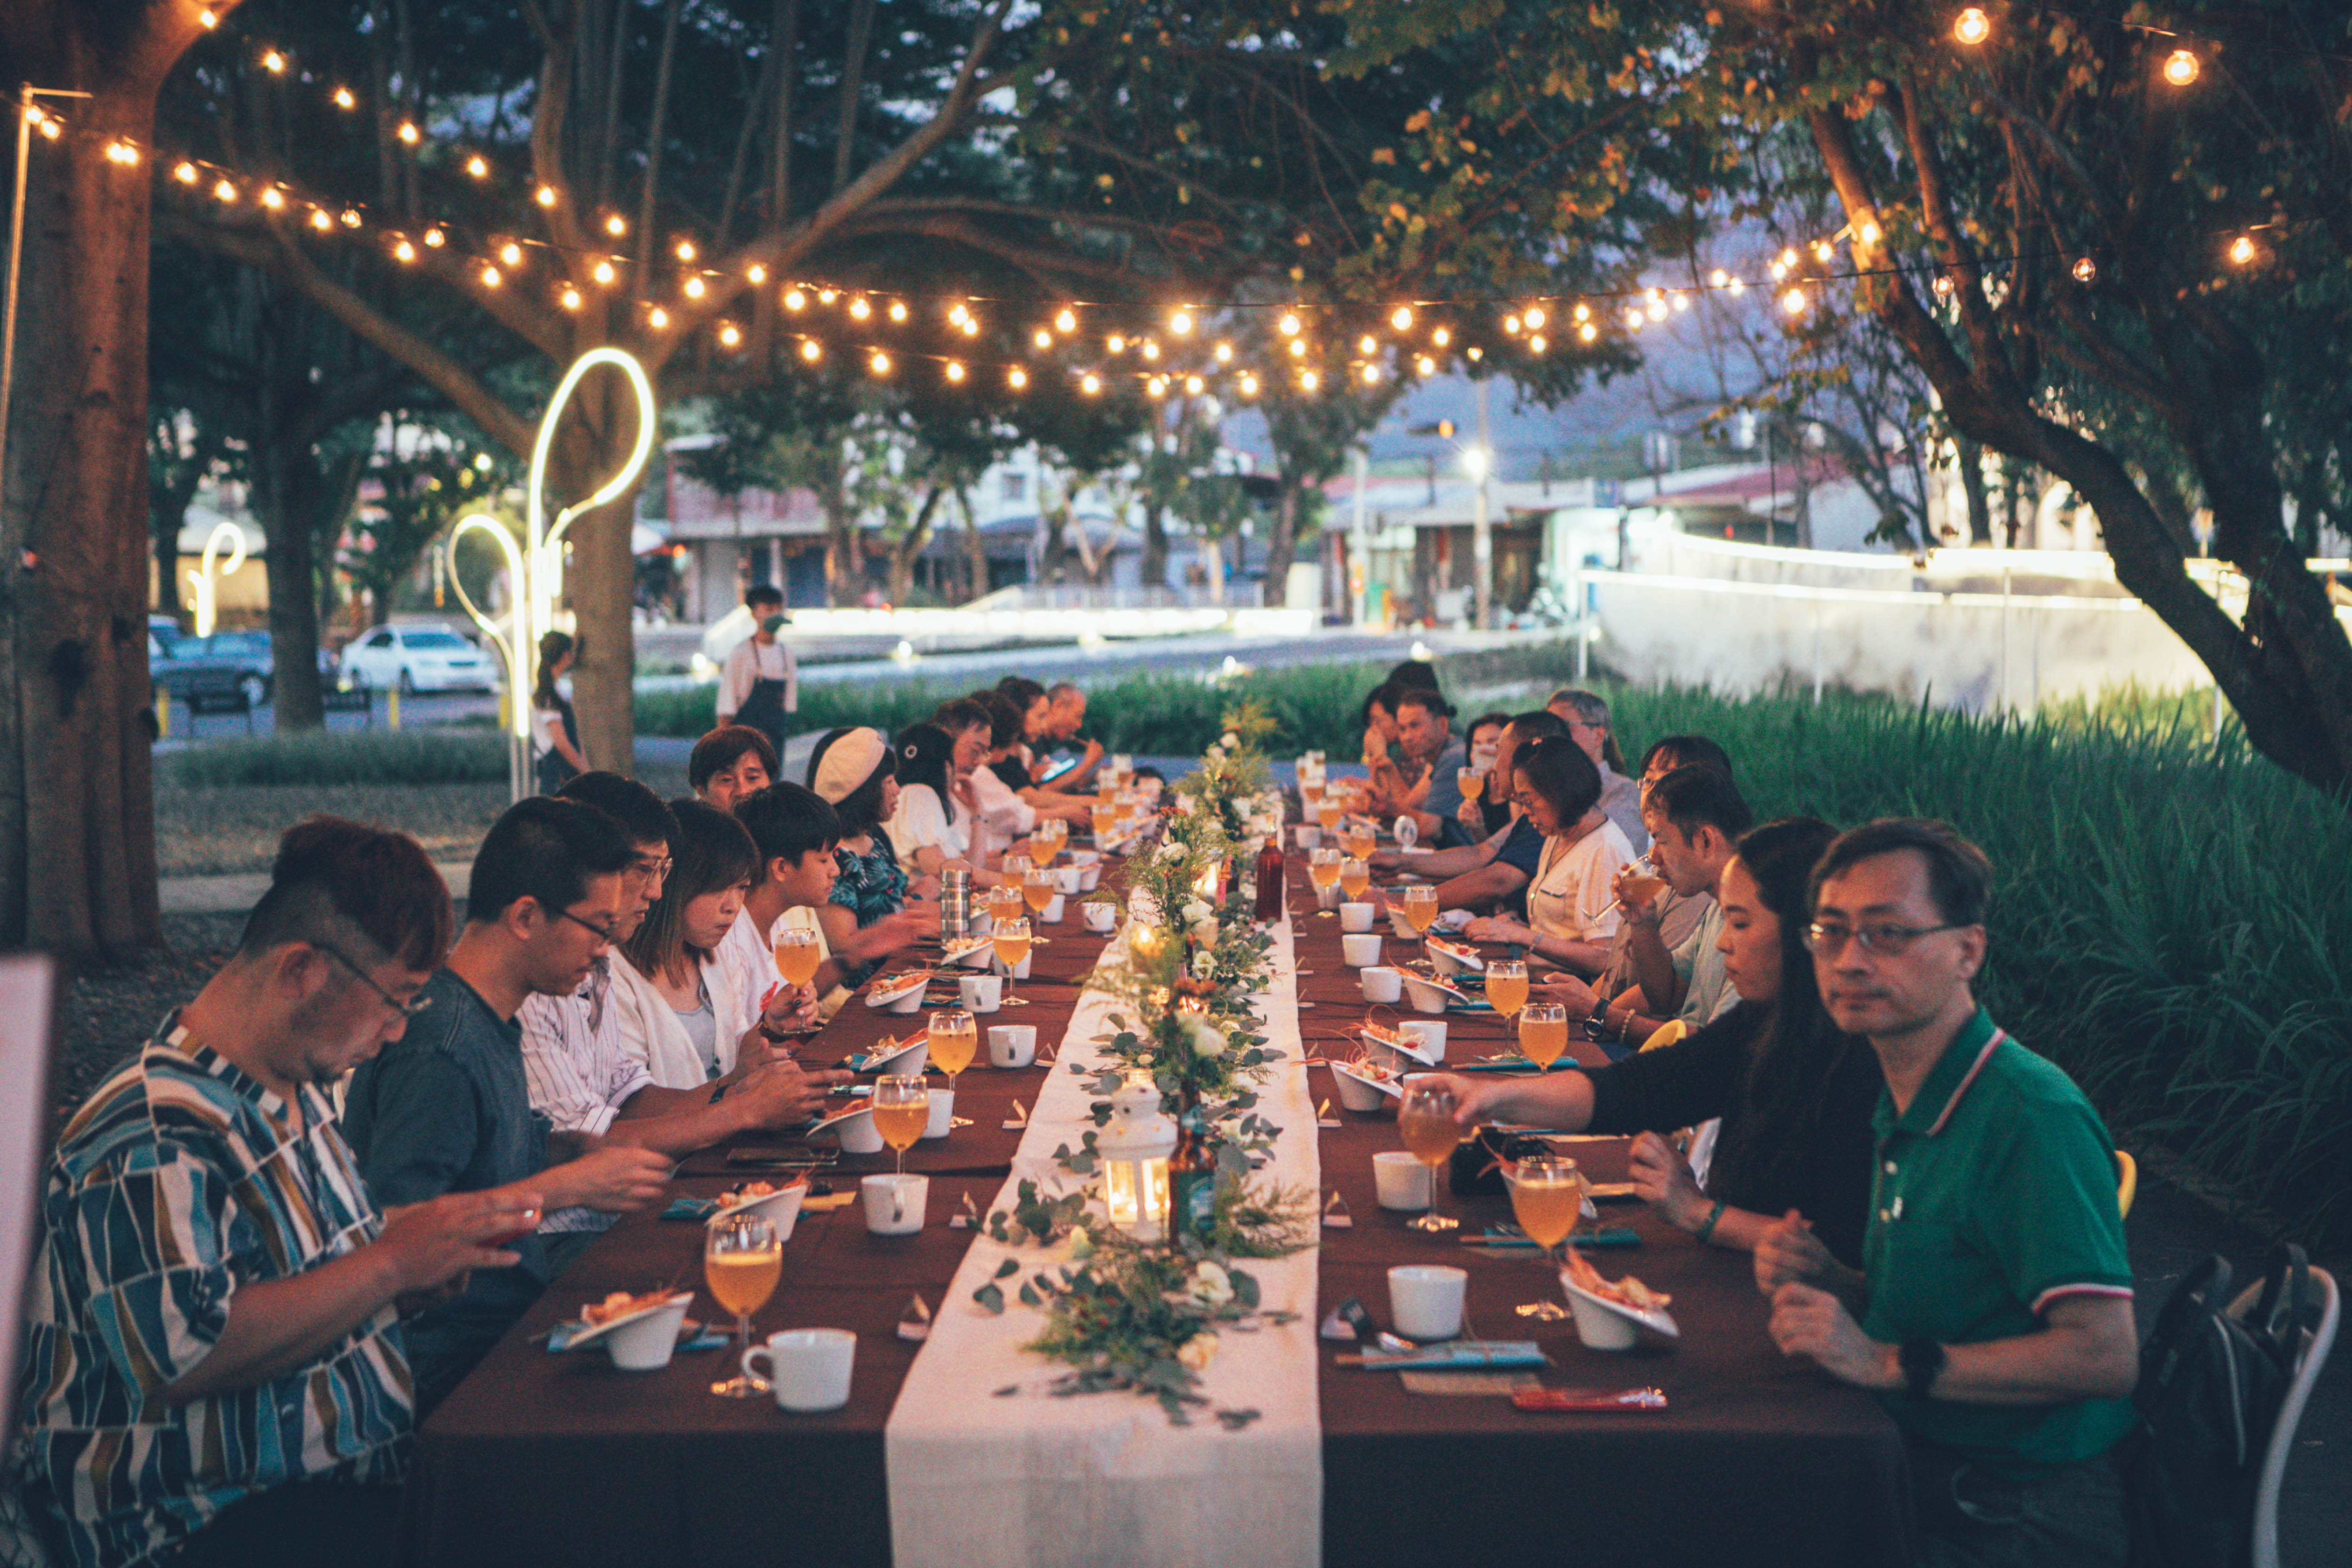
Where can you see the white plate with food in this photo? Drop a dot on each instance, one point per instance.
(855, 1130)
(640, 1330)
(1608, 1311)
(777, 1203)
(970, 951)
(1380, 1037)
(1453, 958)
(890, 1056)
(1362, 1085)
(1429, 993)
(901, 993)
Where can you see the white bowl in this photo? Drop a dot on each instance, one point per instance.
(1089, 877)
(979, 956)
(907, 1061)
(1358, 1092)
(1426, 995)
(1448, 961)
(782, 1209)
(644, 1341)
(855, 1130)
(908, 997)
(1401, 926)
(1606, 1325)
(1085, 858)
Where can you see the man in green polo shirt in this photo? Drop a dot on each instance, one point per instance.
(1993, 1314)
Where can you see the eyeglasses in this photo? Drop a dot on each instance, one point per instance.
(652, 871)
(408, 1009)
(1883, 938)
(604, 932)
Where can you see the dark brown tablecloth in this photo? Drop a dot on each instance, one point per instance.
(560, 1459)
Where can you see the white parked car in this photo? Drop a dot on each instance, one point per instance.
(420, 658)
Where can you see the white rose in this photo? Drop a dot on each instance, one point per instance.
(1229, 739)
(1204, 964)
(1174, 849)
(1212, 1286)
(1208, 1041)
(1195, 1354)
(1196, 911)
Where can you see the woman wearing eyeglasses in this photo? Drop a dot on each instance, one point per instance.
(684, 1000)
(1572, 912)
(1794, 1094)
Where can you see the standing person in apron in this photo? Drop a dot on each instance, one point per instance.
(760, 684)
(554, 733)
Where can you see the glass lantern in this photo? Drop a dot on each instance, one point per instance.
(1134, 1149)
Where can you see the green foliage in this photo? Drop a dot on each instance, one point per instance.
(337, 757)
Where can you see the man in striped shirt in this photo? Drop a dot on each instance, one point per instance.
(213, 1371)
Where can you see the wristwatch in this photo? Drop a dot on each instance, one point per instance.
(1596, 1028)
(1921, 1361)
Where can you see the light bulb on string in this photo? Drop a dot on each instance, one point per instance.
(2180, 68)
(1679, 300)
(1288, 325)
(1307, 380)
(794, 299)
(731, 335)
(1536, 344)
(320, 221)
(1181, 322)
(1368, 344)
(1633, 317)
(1114, 344)
(1016, 378)
(1476, 353)
(1715, 279)
(1225, 354)
(1371, 375)
(1534, 318)
(1090, 384)
(957, 315)
(615, 225)
(755, 274)
(686, 250)
(545, 195)
(1788, 257)
(1657, 311)
(880, 363)
(859, 309)
(1587, 332)
(344, 99)
(1299, 348)
(491, 277)
(955, 372)
(120, 152)
(351, 217)
(511, 253)
(571, 298)
(1249, 385)
(273, 62)
(972, 326)
(811, 349)
(1511, 326)
(1401, 318)
(828, 296)
(2241, 249)
(1441, 337)
(1867, 233)
(1943, 287)
(1793, 302)
(403, 251)
(1151, 350)
(657, 319)
(478, 166)
(1972, 27)
(1823, 250)
(2085, 270)
(897, 311)
(205, 19)
(695, 287)
(273, 198)
(434, 239)
(1044, 338)
(1157, 387)
(1193, 384)
(1067, 321)
(1583, 312)
(185, 174)
(1736, 287)
(605, 273)
(409, 133)
(1426, 365)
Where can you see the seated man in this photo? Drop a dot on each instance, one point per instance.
(213, 1311)
(1063, 721)
(1427, 786)
(729, 763)
(587, 1084)
(1494, 874)
(795, 833)
(1586, 714)
(446, 1108)
(1992, 1313)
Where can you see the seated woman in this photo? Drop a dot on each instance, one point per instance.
(932, 827)
(729, 763)
(1571, 901)
(1795, 1095)
(873, 912)
(1489, 810)
(685, 1001)
(1007, 801)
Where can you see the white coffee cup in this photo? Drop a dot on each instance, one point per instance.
(1067, 878)
(859, 1135)
(1100, 917)
(807, 1368)
(1426, 1300)
(895, 1204)
(1429, 1034)
(1053, 915)
(1012, 1045)
(1380, 983)
(1310, 836)
(1402, 1181)
(1358, 917)
(981, 993)
(1360, 949)
(942, 1113)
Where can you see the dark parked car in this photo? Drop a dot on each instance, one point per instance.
(224, 671)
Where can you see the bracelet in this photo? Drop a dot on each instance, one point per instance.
(1706, 1229)
(1625, 1028)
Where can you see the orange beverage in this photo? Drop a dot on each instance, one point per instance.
(1326, 812)
(1037, 891)
(1507, 985)
(1639, 889)
(1469, 780)
(1106, 785)
(1359, 840)
(1323, 868)
(1042, 849)
(742, 1282)
(1431, 1138)
(1543, 1032)
(1011, 945)
(1104, 815)
(952, 1044)
(902, 1126)
(1421, 908)
(1548, 1207)
(797, 955)
(1355, 877)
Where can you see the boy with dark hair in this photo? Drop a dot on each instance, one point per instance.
(211, 1317)
(760, 685)
(446, 1108)
(729, 763)
(796, 831)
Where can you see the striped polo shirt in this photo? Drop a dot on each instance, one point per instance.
(179, 1181)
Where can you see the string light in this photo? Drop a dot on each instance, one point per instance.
(1401, 318)
(828, 296)
(616, 226)
(490, 279)
(1043, 340)
(1193, 384)
(1511, 326)
(1793, 302)
(1289, 325)
(1657, 311)
(320, 221)
(1584, 312)
(1151, 350)
(755, 274)
(695, 288)
(859, 309)
(1368, 344)
(1441, 337)
(1867, 233)
(605, 273)
(1225, 354)
(880, 363)
(478, 166)
(546, 196)
(403, 251)
(731, 335)
(2085, 270)
(1943, 287)
(273, 62)
(1307, 380)
(957, 315)
(1680, 300)
(1426, 365)
(1633, 317)
(1249, 385)
(273, 198)
(686, 250)
(794, 299)
(2241, 249)
(1299, 348)
(185, 174)
(1587, 332)
(571, 298)
(434, 239)
(1016, 378)
(351, 217)
(1823, 250)
(972, 326)
(955, 372)
(811, 349)
(409, 133)
(1114, 344)
(121, 152)
(1090, 384)
(511, 253)
(1371, 375)
(1157, 387)
(1181, 322)
(206, 19)
(1534, 317)
(898, 309)
(1973, 27)
(344, 99)
(1536, 344)
(657, 317)
(1067, 321)
(2180, 68)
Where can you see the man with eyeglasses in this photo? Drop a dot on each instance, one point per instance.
(1992, 1313)
(214, 1369)
(1586, 714)
(446, 1108)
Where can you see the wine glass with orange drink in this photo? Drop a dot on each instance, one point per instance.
(1543, 1032)
(1425, 1122)
(954, 1039)
(1548, 1200)
(1011, 939)
(741, 1261)
(902, 1112)
(1323, 870)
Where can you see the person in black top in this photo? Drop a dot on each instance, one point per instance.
(1795, 1095)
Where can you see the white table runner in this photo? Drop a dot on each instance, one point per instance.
(1102, 1480)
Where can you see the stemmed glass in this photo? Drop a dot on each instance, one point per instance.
(1543, 1032)
(1323, 870)
(902, 1111)
(1547, 1199)
(1426, 1120)
(954, 1040)
(1420, 902)
(1037, 890)
(1012, 939)
(741, 1260)
(1355, 877)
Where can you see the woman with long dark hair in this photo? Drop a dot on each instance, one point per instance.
(684, 1000)
(931, 827)
(555, 732)
(1794, 1094)
(874, 911)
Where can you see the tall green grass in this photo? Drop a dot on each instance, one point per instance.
(338, 757)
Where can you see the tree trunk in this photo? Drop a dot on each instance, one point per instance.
(975, 548)
(289, 492)
(1281, 546)
(76, 770)
(1154, 569)
(599, 581)
(1972, 487)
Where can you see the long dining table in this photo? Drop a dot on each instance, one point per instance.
(560, 1459)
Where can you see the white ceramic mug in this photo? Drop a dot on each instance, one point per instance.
(1310, 836)
(895, 1204)
(807, 1368)
(1358, 917)
(1067, 878)
(1426, 1300)
(1402, 1181)
(1380, 983)
(859, 1135)
(942, 1113)
(1090, 878)
(981, 993)
(1101, 918)
(1429, 1034)
(1360, 949)
(1053, 915)
(1012, 1045)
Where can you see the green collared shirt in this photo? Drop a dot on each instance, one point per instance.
(1992, 1196)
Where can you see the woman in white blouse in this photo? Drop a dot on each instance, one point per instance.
(685, 1000)
(931, 827)
(1571, 910)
